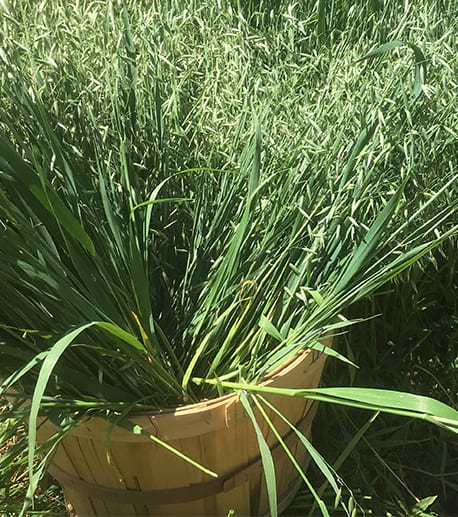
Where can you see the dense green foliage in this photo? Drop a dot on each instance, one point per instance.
(196, 190)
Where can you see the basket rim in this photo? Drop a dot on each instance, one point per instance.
(301, 370)
(269, 379)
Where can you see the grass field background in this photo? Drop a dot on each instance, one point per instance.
(206, 72)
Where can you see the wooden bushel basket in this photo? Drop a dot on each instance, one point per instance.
(143, 479)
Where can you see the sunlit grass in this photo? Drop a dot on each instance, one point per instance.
(226, 165)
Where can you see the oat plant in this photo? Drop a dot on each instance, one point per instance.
(137, 277)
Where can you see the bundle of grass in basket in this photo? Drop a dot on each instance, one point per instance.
(134, 286)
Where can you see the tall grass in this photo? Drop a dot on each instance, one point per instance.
(195, 191)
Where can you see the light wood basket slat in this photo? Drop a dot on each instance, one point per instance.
(144, 479)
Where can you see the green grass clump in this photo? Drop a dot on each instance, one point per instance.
(192, 192)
